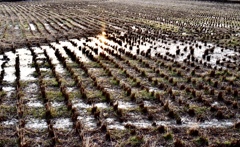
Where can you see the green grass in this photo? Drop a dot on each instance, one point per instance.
(3, 93)
(114, 82)
(8, 110)
(26, 83)
(168, 136)
(131, 82)
(60, 111)
(134, 141)
(119, 134)
(144, 95)
(51, 82)
(94, 94)
(92, 64)
(227, 143)
(35, 112)
(9, 141)
(201, 141)
(68, 83)
(74, 94)
(35, 74)
(73, 65)
(45, 65)
(54, 95)
(199, 110)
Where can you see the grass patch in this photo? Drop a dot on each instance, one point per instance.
(44, 73)
(227, 143)
(3, 93)
(201, 141)
(34, 74)
(199, 110)
(131, 82)
(8, 110)
(51, 82)
(74, 94)
(54, 95)
(94, 94)
(8, 142)
(114, 82)
(38, 112)
(134, 141)
(68, 83)
(60, 111)
(45, 65)
(118, 134)
(168, 136)
(73, 65)
(92, 65)
(145, 95)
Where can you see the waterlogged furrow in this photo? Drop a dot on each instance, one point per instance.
(26, 65)
(83, 108)
(9, 76)
(75, 103)
(113, 90)
(96, 85)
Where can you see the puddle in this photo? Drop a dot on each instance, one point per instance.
(41, 56)
(116, 127)
(114, 124)
(12, 57)
(151, 89)
(37, 50)
(47, 26)
(88, 122)
(35, 104)
(45, 69)
(26, 73)
(59, 68)
(77, 103)
(56, 104)
(31, 88)
(149, 104)
(215, 104)
(71, 89)
(16, 27)
(101, 105)
(126, 105)
(185, 123)
(32, 27)
(207, 124)
(110, 120)
(9, 74)
(10, 122)
(8, 89)
(216, 124)
(139, 123)
(63, 123)
(36, 124)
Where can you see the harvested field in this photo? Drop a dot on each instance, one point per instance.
(110, 73)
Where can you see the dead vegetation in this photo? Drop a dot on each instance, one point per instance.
(109, 74)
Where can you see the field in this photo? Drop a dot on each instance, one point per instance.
(119, 73)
